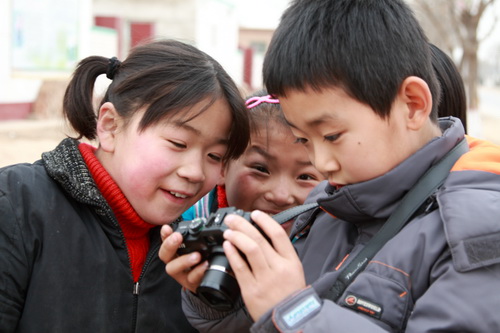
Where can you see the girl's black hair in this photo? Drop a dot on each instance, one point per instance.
(166, 77)
(453, 97)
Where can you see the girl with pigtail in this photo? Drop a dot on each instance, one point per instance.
(79, 229)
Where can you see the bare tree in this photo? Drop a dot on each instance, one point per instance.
(455, 26)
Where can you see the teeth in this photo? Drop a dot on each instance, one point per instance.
(178, 195)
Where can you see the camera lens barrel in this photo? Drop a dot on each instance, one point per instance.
(219, 287)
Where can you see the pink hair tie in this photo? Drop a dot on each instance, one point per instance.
(257, 100)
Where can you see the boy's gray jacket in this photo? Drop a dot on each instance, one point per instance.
(64, 264)
(441, 273)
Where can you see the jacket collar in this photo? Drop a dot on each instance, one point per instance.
(377, 198)
(65, 165)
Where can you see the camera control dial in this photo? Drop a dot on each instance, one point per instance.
(196, 225)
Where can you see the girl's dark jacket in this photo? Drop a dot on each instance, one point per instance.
(64, 265)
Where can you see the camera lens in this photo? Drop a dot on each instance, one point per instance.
(219, 288)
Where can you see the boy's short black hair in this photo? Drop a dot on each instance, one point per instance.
(366, 47)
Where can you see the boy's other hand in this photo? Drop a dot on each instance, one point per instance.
(184, 269)
(271, 272)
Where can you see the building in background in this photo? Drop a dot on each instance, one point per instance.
(39, 40)
(211, 25)
(42, 41)
(253, 42)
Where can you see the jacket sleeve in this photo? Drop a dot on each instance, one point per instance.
(14, 266)
(206, 319)
(454, 302)
(305, 311)
(297, 313)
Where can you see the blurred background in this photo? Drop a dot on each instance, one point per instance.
(41, 41)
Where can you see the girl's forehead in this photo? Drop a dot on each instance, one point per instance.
(271, 135)
(269, 123)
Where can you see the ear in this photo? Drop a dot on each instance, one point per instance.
(415, 93)
(222, 179)
(107, 125)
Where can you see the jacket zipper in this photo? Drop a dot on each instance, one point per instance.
(137, 284)
(136, 288)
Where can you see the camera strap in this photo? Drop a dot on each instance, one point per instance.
(293, 212)
(425, 187)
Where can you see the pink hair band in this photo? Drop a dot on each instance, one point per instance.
(257, 100)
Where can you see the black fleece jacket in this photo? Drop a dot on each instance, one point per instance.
(64, 264)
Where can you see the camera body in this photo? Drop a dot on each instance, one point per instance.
(219, 288)
(203, 234)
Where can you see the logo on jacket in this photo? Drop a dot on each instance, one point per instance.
(362, 305)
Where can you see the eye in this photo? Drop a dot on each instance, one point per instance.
(215, 157)
(260, 168)
(178, 144)
(332, 138)
(305, 176)
(302, 141)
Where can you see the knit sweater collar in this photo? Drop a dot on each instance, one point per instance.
(130, 222)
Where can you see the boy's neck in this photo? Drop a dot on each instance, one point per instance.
(430, 131)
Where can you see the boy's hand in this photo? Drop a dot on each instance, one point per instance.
(271, 272)
(180, 268)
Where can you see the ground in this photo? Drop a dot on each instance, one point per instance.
(26, 140)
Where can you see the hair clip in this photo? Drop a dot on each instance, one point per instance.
(257, 100)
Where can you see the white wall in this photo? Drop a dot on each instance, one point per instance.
(12, 90)
(217, 34)
(211, 25)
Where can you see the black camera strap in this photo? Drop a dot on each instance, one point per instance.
(293, 212)
(425, 187)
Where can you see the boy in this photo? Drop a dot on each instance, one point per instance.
(356, 84)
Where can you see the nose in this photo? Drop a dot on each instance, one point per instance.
(280, 193)
(324, 162)
(192, 168)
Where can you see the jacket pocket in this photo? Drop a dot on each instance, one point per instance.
(384, 297)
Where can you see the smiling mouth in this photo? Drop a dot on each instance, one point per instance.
(178, 195)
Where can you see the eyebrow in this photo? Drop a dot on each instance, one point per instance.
(305, 163)
(264, 153)
(260, 151)
(314, 122)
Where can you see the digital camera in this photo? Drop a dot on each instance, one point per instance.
(219, 288)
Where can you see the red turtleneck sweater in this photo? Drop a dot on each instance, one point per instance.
(135, 230)
(221, 197)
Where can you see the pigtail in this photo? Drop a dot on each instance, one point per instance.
(78, 106)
